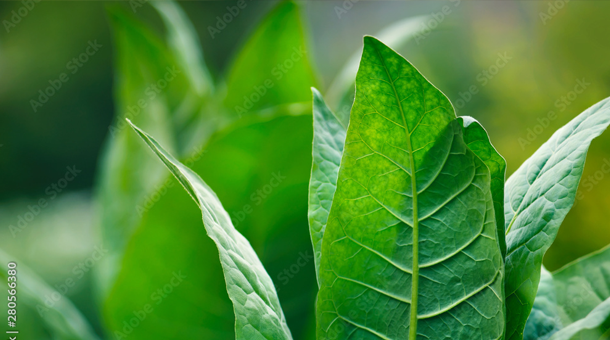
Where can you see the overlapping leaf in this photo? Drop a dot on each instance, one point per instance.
(328, 142)
(412, 221)
(537, 198)
(477, 140)
(573, 300)
(257, 309)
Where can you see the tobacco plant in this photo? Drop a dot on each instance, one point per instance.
(415, 232)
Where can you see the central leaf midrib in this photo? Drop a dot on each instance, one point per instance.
(415, 269)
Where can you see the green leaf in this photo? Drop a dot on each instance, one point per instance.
(328, 142)
(238, 164)
(61, 317)
(573, 300)
(273, 67)
(257, 308)
(410, 248)
(478, 141)
(544, 319)
(127, 174)
(537, 198)
(183, 40)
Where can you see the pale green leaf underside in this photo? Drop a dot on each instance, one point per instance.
(328, 142)
(573, 300)
(400, 126)
(537, 198)
(258, 312)
(63, 319)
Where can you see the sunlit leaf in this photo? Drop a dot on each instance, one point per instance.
(414, 207)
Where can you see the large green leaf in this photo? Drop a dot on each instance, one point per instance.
(274, 66)
(257, 308)
(574, 299)
(478, 141)
(410, 246)
(537, 198)
(60, 316)
(328, 142)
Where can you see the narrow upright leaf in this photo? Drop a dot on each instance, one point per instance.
(185, 44)
(573, 300)
(538, 196)
(477, 140)
(328, 141)
(257, 308)
(410, 249)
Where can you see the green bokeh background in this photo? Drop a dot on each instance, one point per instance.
(547, 57)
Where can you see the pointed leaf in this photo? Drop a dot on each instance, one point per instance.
(257, 309)
(538, 196)
(328, 141)
(410, 249)
(478, 141)
(395, 36)
(273, 67)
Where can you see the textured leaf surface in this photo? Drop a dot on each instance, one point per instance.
(61, 317)
(537, 198)
(328, 142)
(477, 140)
(544, 319)
(573, 300)
(412, 221)
(257, 309)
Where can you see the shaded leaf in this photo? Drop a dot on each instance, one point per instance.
(328, 142)
(478, 141)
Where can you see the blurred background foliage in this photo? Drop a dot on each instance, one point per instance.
(513, 66)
